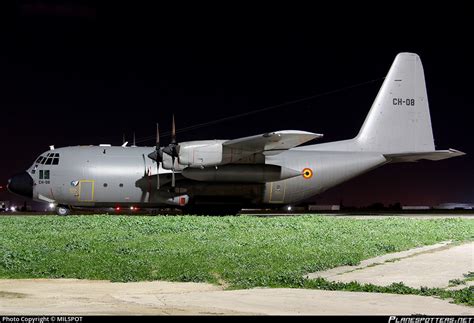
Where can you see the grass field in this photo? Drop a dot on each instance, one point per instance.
(237, 252)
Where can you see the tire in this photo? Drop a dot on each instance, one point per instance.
(62, 210)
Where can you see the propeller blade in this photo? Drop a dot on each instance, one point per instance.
(172, 179)
(157, 156)
(157, 175)
(173, 148)
(157, 136)
(172, 174)
(173, 132)
(174, 151)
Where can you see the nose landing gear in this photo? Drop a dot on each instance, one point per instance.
(62, 210)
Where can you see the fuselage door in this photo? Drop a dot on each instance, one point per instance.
(86, 191)
(277, 192)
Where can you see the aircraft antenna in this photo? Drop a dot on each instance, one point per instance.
(245, 114)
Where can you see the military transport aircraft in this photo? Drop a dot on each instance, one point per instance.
(266, 170)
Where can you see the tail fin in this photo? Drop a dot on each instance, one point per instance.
(399, 119)
(398, 124)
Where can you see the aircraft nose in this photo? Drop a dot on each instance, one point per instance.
(21, 184)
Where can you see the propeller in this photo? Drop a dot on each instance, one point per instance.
(157, 155)
(172, 150)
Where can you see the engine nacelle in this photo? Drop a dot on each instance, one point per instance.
(203, 153)
(167, 163)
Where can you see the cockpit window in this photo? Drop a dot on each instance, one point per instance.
(49, 159)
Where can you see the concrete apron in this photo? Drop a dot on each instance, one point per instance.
(428, 266)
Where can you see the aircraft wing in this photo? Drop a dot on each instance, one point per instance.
(278, 140)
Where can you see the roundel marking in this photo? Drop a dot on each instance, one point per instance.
(307, 173)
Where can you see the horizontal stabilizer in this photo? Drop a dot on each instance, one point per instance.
(431, 155)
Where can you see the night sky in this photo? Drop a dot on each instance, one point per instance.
(73, 73)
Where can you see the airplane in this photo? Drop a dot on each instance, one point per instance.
(222, 176)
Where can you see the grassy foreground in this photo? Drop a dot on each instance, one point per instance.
(239, 252)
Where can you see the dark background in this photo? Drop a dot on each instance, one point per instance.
(75, 73)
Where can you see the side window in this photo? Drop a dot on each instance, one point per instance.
(46, 174)
(41, 174)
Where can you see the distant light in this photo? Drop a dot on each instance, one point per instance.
(289, 207)
(13, 208)
(51, 205)
(132, 208)
(117, 208)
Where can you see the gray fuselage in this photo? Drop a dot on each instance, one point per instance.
(114, 176)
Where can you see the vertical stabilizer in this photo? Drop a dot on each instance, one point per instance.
(399, 119)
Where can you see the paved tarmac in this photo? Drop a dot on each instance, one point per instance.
(81, 297)
(429, 266)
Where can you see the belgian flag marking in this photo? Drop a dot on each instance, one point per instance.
(307, 173)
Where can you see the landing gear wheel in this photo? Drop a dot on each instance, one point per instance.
(62, 210)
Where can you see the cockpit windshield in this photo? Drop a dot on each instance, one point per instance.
(49, 159)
